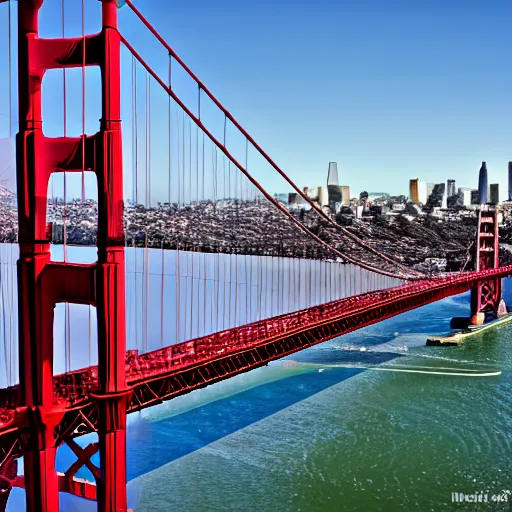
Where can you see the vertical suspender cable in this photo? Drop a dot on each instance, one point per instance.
(12, 280)
(89, 344)
(8, 345)
(198, 248)
(66, 307)
(192, 257)
(212, 295)
(149, 143)
(135, 123)
(203, 194)
(169, 127)
(230, 258)
(324, 287)
(148, 204)
(146, 141)
(65, 134)
(134, 117)
(235, 240)
(323, 281)
(260, 286)
(162, 298)
(183, 158)
(187, 255)
(224, 209)
(216, 212)
(190, 204)
(248, 286)
(204, 255)
(332, 275)
(300, 285)
(280, 285)
(272, 284)
(136, 199)
(83, 100)
(83, 159)
(341, 293)
(178, 275)
(146, 282)
(291, 271)
(4, 320)
(169, 154)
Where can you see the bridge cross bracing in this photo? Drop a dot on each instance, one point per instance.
(199, 272)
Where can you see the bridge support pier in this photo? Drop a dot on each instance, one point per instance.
(486, 297)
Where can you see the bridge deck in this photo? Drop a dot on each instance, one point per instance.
(166, 373)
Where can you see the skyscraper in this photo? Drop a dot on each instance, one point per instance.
(332, 174)
(438, 197)
(413, 190)
(333, 186)
(345, 194)
(495, 193)
(450, 188)
(322, 196)
(465, 196)
(482, 184)
(417, 191)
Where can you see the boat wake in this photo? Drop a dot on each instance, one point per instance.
(426, 370)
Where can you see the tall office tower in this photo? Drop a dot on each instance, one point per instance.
(332, 174)
(422, 192)
(465, 195)
(444, 200)
(450, 188)
(322, 196)
(495, 193)
(482, 184)
(413, 190)
(510, 181)
(333, 187)
(438, 196)
(430, 189)
(345, 194)
(475, 197)
(418, 191)
(334, 194)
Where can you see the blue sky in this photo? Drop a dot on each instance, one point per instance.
(391, 90)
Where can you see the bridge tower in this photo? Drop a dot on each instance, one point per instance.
(486, 296)
(43, 283)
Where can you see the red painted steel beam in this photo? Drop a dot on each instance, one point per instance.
(77, 487)
(43, 283)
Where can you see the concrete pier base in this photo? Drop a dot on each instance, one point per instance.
(477, 319)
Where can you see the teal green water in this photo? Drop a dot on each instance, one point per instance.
(371, 421)
(338, 427)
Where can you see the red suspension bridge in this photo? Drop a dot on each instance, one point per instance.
(202, 274)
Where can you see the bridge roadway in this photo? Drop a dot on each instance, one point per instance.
(178, 369)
